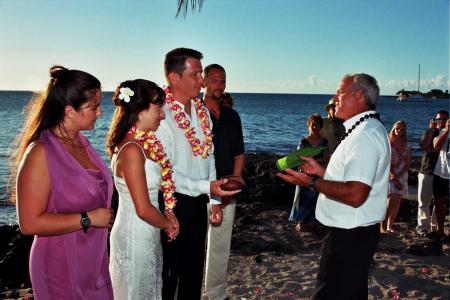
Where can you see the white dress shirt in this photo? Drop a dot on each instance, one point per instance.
(442, 168)
(364, 156)
(192, 174)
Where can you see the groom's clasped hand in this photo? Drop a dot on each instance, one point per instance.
(174, 229)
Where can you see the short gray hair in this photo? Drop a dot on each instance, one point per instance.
(368, 85)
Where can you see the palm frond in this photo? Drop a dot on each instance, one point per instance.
(183, 6)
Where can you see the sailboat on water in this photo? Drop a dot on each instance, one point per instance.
(415, 96)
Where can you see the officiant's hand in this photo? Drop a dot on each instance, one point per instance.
(294, 177)
(312, 167)
(216, 214)
(215, 188)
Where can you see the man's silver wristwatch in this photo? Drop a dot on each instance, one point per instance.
(312, 183)
(85, 221)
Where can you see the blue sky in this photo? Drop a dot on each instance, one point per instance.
(279, 46)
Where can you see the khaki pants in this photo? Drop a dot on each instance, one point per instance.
(424, 196)
(218, 254)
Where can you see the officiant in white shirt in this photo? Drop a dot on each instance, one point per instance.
(353, 191)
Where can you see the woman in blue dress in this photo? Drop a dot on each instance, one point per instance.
(305, 199)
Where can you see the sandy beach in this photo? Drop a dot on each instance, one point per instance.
(271, 261)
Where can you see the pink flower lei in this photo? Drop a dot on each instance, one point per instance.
(157, 154)
(198, 148)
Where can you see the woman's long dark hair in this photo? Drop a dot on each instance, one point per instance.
(46, 109)
(126, 113)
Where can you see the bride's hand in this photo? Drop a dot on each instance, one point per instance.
(174, 226)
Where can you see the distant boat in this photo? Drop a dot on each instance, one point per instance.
(415, 96)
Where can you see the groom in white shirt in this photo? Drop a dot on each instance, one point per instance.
(187, 139)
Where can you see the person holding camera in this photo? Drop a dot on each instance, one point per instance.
(441, 172)
(425, 220)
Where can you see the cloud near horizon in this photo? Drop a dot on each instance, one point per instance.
(439, 81)
(312, 84)
(314, 81)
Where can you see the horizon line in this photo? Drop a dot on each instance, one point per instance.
(271, 93)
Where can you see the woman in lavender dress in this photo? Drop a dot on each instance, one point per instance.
(64, 190)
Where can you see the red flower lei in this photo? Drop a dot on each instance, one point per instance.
(157, 154)
(198, 148)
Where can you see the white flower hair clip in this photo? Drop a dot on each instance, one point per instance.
(125, 94)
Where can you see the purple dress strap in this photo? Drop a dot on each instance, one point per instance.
(84, 255)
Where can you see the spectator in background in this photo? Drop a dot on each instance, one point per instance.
(226, 100)
(398, 174)
(426, 220)
(333, 127)
(441, 172)
(305, 199)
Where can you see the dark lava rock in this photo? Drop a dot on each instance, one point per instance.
(14, 256)
(262, 184)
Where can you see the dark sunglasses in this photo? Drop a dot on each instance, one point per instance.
(439, 119)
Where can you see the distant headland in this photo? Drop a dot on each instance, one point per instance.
(432, 94)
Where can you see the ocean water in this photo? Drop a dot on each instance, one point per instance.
(271, 123)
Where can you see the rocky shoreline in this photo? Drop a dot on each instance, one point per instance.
(268, 258)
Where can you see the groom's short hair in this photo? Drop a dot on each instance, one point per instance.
(176, 60)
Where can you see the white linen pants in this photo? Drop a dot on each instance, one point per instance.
(424, 196)
(218, 254)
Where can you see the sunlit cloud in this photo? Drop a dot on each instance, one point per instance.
(312, 84)
(439, 81)
(314, 81)
(398, 84)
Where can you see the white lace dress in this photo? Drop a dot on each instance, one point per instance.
(136, 252)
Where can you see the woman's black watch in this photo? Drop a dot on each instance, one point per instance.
(85, 221)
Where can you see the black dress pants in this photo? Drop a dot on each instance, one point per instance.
(183, 258)
(344, 264)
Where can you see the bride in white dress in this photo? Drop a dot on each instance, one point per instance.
(136, 252)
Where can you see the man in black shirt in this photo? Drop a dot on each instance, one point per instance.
(425, 180)
(229, 158)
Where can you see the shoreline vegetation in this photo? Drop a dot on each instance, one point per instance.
(432, 94)
(269, 260)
